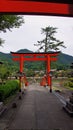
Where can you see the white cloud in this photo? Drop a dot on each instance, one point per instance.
(28, 34)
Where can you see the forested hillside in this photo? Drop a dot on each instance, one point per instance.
(63, 62)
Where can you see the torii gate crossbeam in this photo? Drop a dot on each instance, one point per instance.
(48, 57)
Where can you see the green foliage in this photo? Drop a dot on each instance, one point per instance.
(8, 22)
(4, 72)
(8, 89)
(69, 83)
(34, 65)
(71, 79)
(49, 42)
(30, 73)
(63, 63)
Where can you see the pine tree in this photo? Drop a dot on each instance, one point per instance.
(49, 43)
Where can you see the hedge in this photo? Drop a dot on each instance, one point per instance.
(8, 89)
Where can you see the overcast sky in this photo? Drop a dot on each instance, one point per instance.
(30, 32)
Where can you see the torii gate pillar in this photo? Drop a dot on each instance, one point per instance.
(48, 73)
(21, 70)
(21, 63)
(47, 57)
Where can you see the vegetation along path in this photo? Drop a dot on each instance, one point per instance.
(37, 110)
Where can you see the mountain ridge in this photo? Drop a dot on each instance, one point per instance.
(27, 51)
(63, 59)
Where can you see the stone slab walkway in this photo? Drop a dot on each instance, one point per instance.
(40, 110)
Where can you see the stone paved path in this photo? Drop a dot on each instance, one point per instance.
(40, 110)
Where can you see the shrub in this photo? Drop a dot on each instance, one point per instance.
(69, 83)
(8, 89)
(71, 79)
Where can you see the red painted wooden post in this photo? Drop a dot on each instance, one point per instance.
(48, 72)
(21, 69)
(21, 63)
(48, 57)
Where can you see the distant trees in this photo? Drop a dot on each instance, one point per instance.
(49, 43)
(8, 22)
(4, 73)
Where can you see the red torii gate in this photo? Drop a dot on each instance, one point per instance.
(48, 57)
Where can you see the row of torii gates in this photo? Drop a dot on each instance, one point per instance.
(47, 57)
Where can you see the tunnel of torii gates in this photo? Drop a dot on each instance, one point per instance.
(48, 57)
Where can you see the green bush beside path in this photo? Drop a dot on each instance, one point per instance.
(8, 89)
